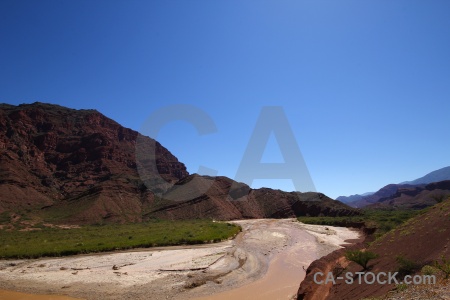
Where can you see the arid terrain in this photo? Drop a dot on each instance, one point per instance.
(74, 168)
(267, 258)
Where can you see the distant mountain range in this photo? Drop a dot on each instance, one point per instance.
(418, 193)
(435, 176)
(353, 198)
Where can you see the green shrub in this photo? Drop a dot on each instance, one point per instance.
(429, 270)
(401, 287)
(362, 258)
(406, 266)
(444, 266)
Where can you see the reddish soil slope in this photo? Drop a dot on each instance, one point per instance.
(422, 240)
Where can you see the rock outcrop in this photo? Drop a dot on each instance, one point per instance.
(64, 164)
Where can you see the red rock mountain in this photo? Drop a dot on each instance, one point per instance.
(78, 166)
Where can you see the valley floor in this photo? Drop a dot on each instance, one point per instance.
(267, 259)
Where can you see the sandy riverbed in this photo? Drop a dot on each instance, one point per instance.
(266, 260)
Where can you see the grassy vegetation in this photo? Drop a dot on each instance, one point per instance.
(59, 242)
(382, 220)
(362, 258)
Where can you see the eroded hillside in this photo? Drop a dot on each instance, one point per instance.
(62, 165)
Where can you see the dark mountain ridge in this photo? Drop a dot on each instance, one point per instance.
(415, 196)
(405, 196)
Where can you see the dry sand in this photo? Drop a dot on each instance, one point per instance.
(267, 260)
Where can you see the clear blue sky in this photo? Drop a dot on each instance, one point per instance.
(365, 84)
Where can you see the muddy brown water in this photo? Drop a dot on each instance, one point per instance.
(10, 295)
(282, 279)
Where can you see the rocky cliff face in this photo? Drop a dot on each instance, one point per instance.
(73, 163)
(64, 165)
